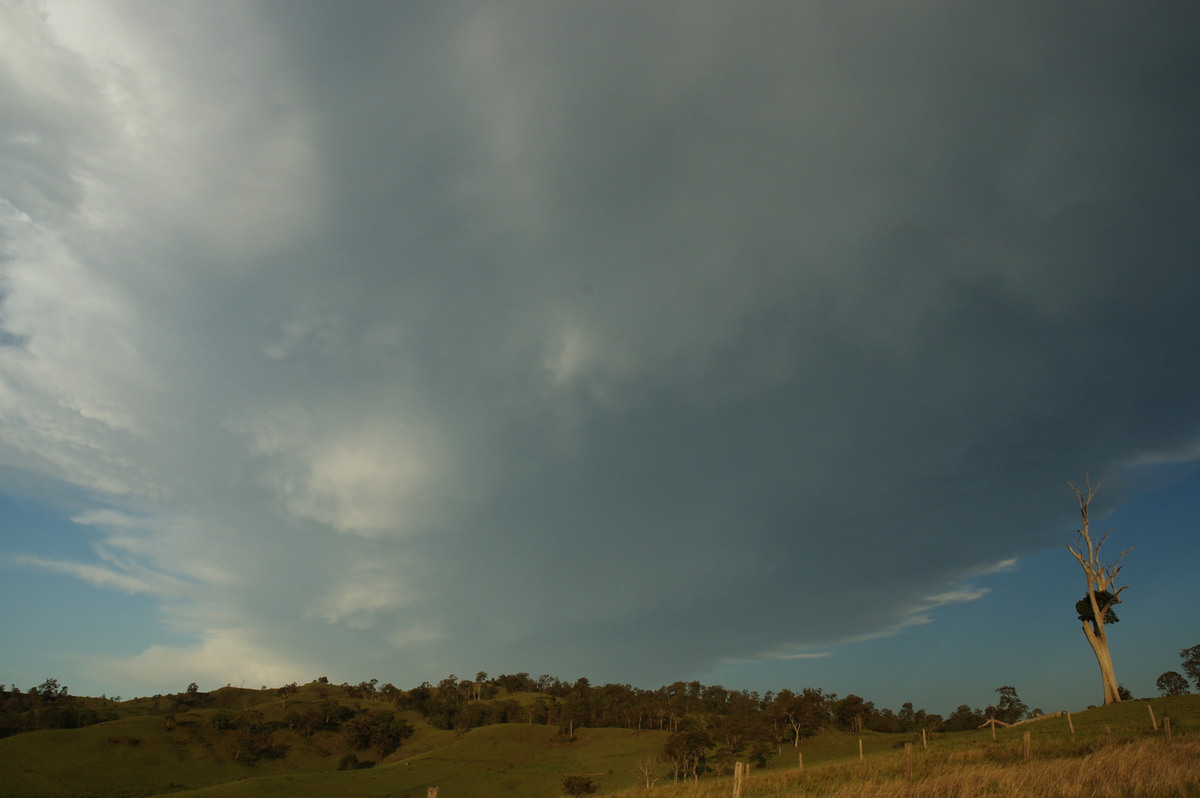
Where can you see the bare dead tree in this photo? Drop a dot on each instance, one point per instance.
(645, 774)
(1102, 591)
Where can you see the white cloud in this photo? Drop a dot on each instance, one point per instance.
(921, 613)
(959, 596)
(908, 622)
(999, 567)
(221, 657)
(227, 159)
(78, 386)
(368, 589)
(99, 575)
(367, 476)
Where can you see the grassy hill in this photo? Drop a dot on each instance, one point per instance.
(491, 761)
(1114, 752)
(161, 746)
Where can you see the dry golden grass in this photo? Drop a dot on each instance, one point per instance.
(1145, 769)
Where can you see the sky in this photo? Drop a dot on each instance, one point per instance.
(750, 343)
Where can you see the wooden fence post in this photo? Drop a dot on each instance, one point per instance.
(1027, 746)
(1167, 727)
(431, 792)
(802, 760)
(1070, 724)
(1153, 722)
(739, 770)
(908, 758)
(860, 750)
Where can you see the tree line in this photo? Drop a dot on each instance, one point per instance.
(731, 722)
(48, 705)
(738, 715)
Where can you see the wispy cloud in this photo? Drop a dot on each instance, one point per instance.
(97, 575)
(772, 656)
(996, 568)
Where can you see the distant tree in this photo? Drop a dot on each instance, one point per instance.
(805, 714)
(1124, 692)
(364, 689)
(286, 692)
(419, 698)
(575, 711)
(477, 687)
(743, 734)
(331, 712)
(516, 682)
(537, 711)
(930, 721)
(193, 688)
(645, 774)
(1009, 708)
(1102, 592)
(246, 733)
(222, 720)
(885, 721)
(250, 741)
(686, 751)
(852, 713)
(1172, 683)
(1191, 663)
(391, 693)
(380, 730)
(50, 690)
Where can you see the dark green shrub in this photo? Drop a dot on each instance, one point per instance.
(578, 785)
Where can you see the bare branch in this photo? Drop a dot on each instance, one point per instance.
(1103, 538)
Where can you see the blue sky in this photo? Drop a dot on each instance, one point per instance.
(747, 343)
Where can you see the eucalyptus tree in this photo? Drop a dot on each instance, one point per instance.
(1095, 609)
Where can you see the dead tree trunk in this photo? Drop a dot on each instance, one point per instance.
(1102, 592)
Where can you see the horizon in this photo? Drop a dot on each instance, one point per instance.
(746, 344)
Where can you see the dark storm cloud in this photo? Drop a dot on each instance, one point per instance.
(587, 330)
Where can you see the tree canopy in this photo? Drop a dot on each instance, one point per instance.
(1191, 663)
(1172, 683)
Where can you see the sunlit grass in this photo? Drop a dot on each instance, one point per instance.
(1114, 752)
(1147, 769)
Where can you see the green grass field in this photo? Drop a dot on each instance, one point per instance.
(151, 754)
